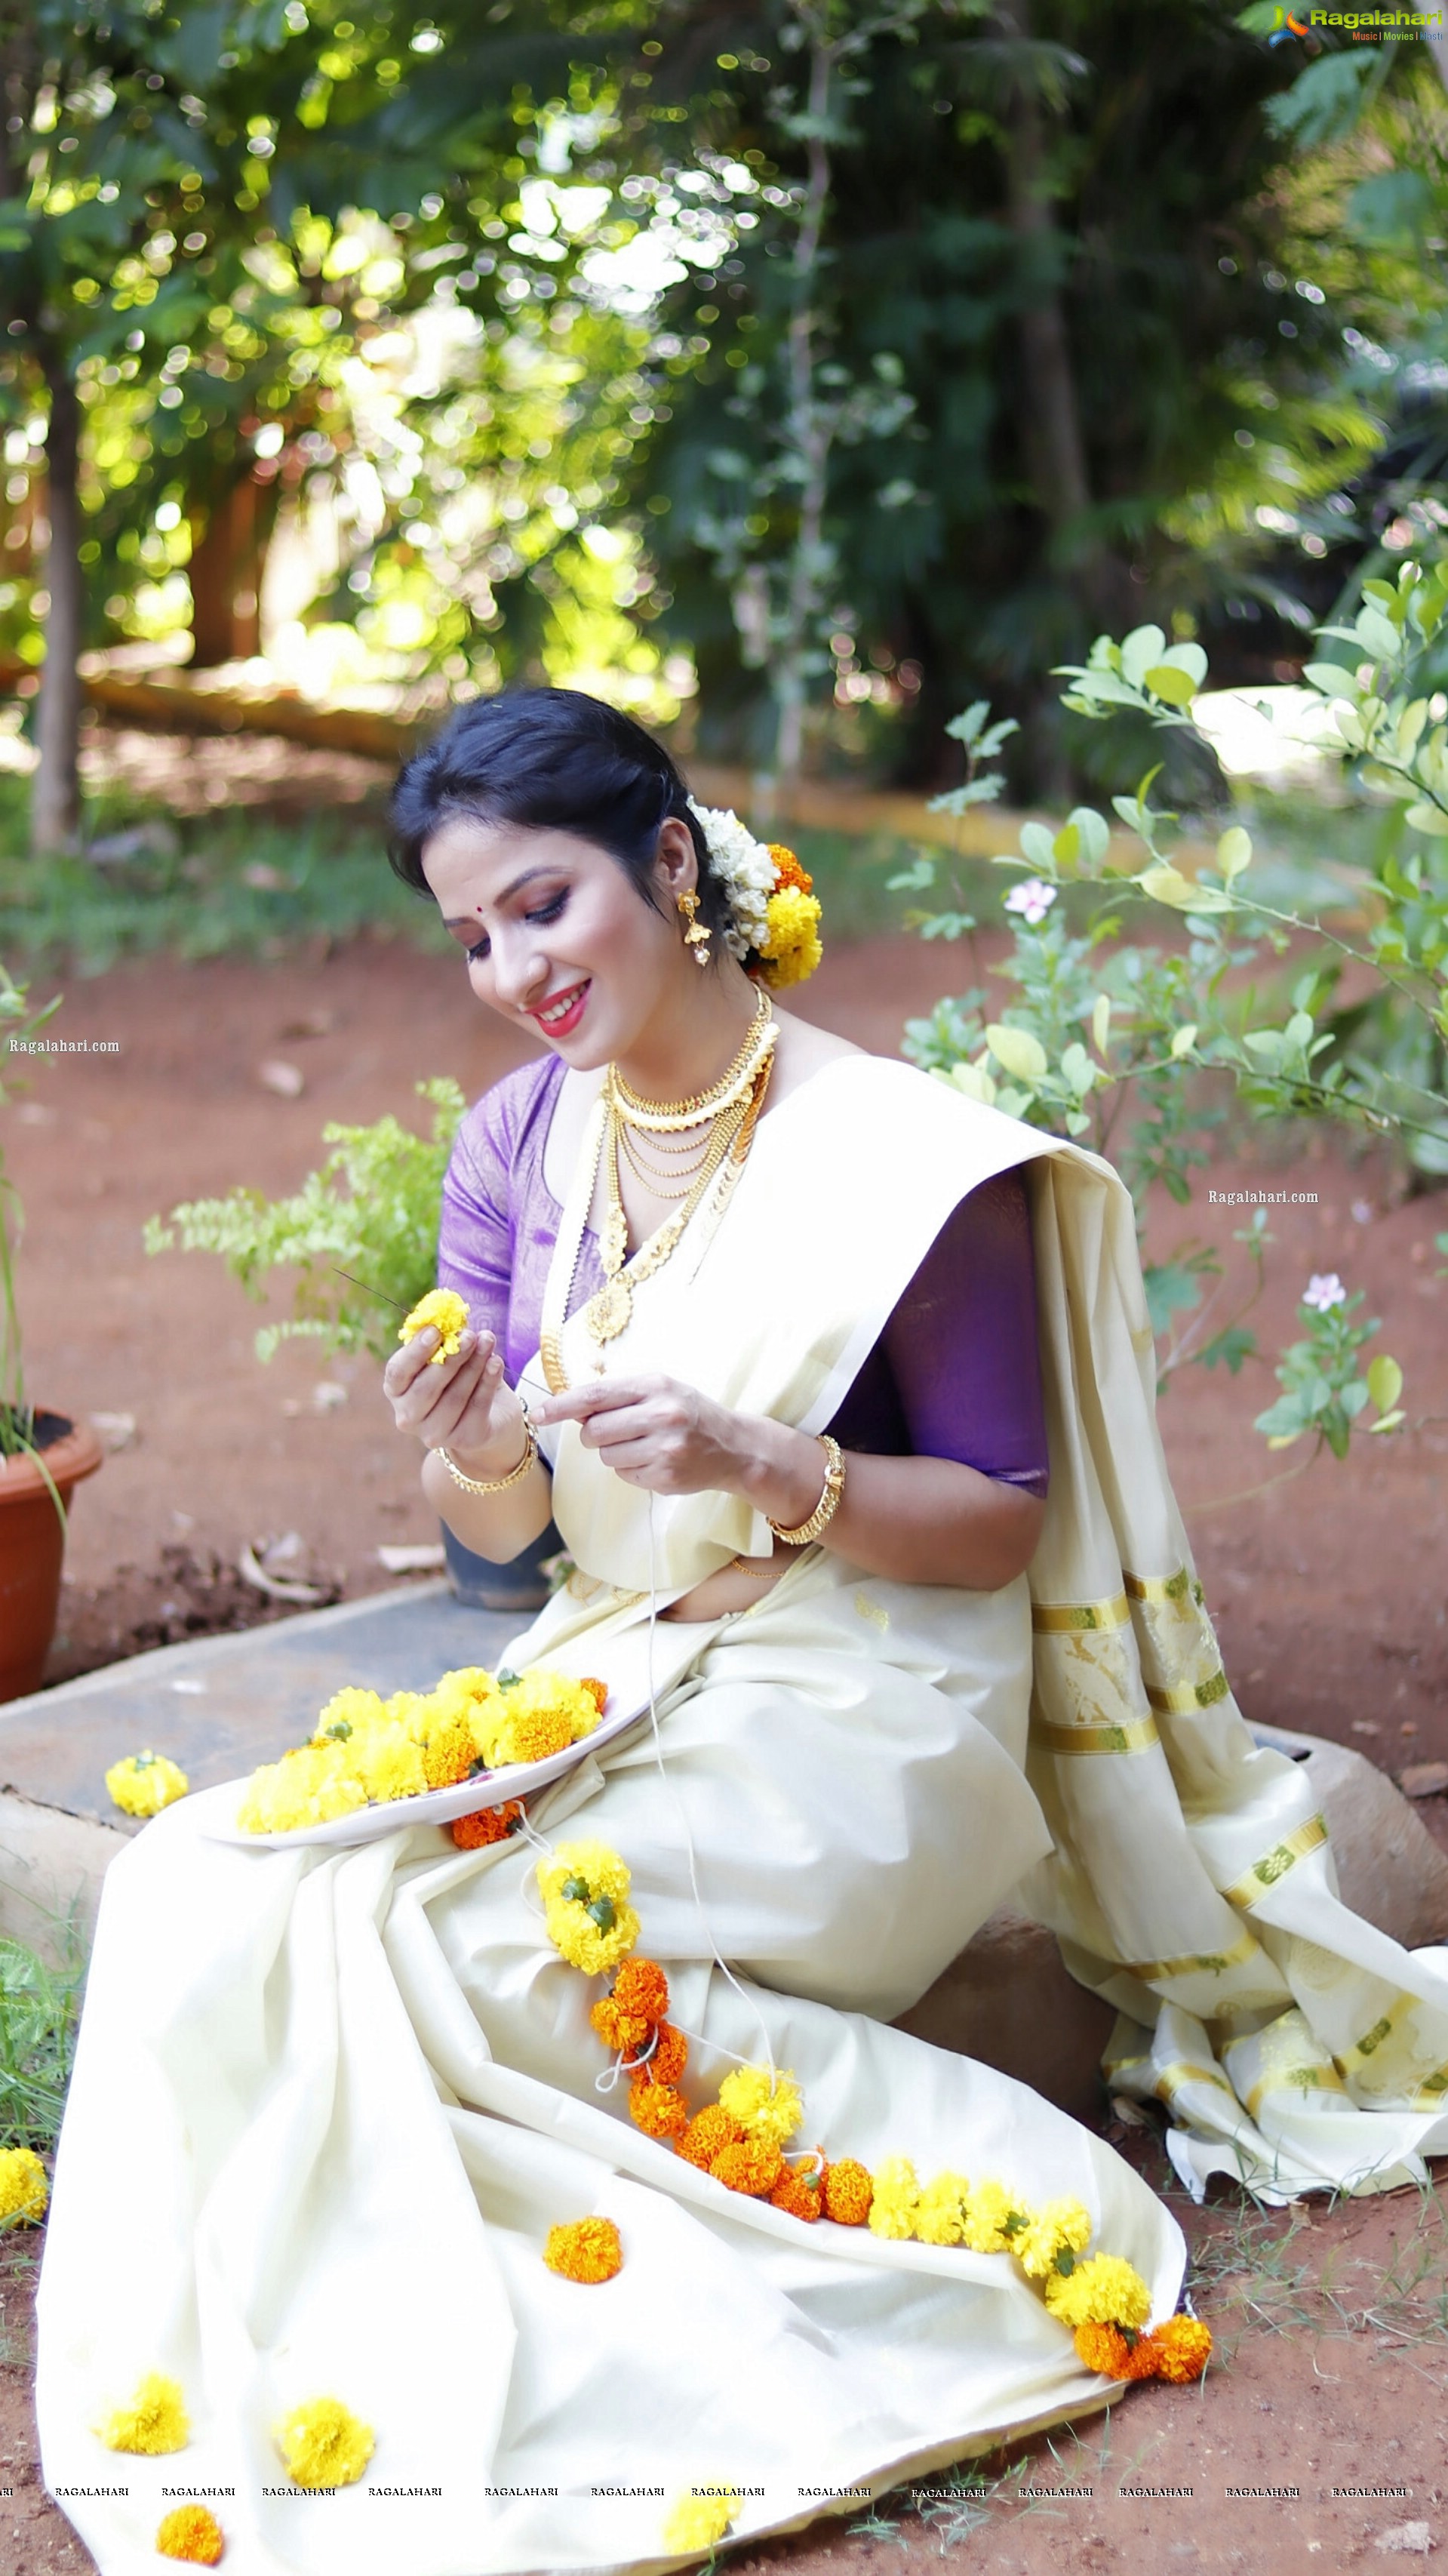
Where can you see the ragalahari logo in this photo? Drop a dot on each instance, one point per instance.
(1381, 26)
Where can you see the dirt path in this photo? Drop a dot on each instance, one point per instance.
(1326, 1586)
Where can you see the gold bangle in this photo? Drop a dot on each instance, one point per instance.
(495, 1484)
(829, 1501)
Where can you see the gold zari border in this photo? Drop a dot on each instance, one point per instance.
(1136, 1736)
(1172, 1588)
(1264, 1874)
(1184, 1699)
(1203, 1963)
(1073, 1618)
(1295, 2079)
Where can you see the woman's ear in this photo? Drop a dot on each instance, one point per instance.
(677, 863)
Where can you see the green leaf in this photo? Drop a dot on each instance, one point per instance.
(1039, 846)
(1093, 834)
(1428, 818)
(1171, 1288)
(1017, 1052)
(1234, 852)
(1385, 1382)
(1141, 651)
(1164, 681)
(1101, 1021)
(1333, 679)
(1234, 1345)
(1185, 1039)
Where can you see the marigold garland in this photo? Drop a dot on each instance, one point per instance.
(700, 2519)
(739, 2140)
(447, 1314)
(586, 2249)
(144, 1783)
(791, 948)
(191, 2533)
(154, 2422)
(322, 2444)
(24, 2189)
(488, 1825)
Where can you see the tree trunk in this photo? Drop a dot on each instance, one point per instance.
(1051, 427)
(225, 572)
(55, 810)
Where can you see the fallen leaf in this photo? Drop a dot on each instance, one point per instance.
(117, 1430)
(1424, 1779)
(311, 1024)
(426, 1558)
(283, 1078)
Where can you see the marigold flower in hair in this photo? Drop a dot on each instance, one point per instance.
(700, 2520)
(324, 2445)
(154, 2422)
(24, 2189)
(1103, 2290)
(586, 2249)
(660, 2110)
(144, 1783)
(1180, 2350)
(788, 869)
(849, 2188)
(489, 1825)
(754, 2167)
(193, 2534)
(767, 2101)
(708, 2134)
(791, 948)
(447, 1314)
(896, 2204)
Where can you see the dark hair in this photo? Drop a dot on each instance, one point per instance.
(551, 760)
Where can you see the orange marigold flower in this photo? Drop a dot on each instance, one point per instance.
(753, 2166)
(587, 2249)
(191, 2532)
(597, 1691)
(670, 2055)
(800, 2193)
(660, 2110)
(537, 1732)
(849, 2190)
(1179, 2350)
(489, 1825)
(1105, 2349)
(449, 1755)
(788, 870)
(708, 2133)
(621, 2031)
(641, 1987)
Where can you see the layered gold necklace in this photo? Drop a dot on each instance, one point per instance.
(714, 1129)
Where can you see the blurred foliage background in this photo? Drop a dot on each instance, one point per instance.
(793, 371)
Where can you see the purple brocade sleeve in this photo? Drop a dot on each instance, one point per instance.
(499, 1222)
(956, 1372)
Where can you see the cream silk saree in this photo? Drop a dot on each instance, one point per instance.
(328, 2104)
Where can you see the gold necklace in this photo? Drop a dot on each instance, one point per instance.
(668, 1116)
(662, 1184)
(607, 1313)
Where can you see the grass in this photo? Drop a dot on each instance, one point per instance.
(1266, 2271)
(39, 2013)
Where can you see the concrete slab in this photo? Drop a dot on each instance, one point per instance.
(223, 1704)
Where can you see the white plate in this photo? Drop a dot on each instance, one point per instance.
(441, 1806)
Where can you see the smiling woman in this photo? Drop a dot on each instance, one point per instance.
(839, 1387)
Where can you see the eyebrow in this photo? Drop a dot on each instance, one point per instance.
(466, 921)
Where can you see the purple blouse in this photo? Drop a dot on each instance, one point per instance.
(954, 1374)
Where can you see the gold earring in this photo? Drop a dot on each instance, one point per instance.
(697, 934)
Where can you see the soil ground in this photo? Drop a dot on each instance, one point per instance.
(1326, 1585)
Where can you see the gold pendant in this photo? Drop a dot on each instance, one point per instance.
(614, 1244)
(608, 1312)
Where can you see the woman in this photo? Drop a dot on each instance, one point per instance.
(753, 1289)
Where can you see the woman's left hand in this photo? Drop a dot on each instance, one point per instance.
(656, 1432)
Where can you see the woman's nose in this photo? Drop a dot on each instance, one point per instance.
(520, 975)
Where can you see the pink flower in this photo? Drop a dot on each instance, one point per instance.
(1324, 1289)
(1033, 897)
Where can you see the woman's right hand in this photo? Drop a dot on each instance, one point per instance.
(464, 1405)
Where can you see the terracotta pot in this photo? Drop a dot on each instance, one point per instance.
(32, 1543)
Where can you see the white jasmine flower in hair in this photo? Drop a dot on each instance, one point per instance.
(745, 869)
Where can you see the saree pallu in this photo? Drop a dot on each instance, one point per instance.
(327, 2105)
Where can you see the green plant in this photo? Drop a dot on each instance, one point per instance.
(19, 1023)
(371, 1211)
(1103, 1021)
(39, 2013)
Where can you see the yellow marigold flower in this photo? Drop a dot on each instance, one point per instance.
(767, 2105)
(192, 2533)
(322, 2445)
(24, 2190)
(587, 2249)
(1179, 2350)
(940, 2218)
(897, 2198)
(993, 2218)
(791, 948)
(700, 2520)
(467, 1686)
(413, 1711)
(1102, 2291)
(389, 1765)
(448, 1755)
(155, 2420)
(1059, 2227)
(584, 1942)
(447, 1313)
(345, 1714)
(591, 1862)
(529, 1735)
(307, 1787)
(145, 1783)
